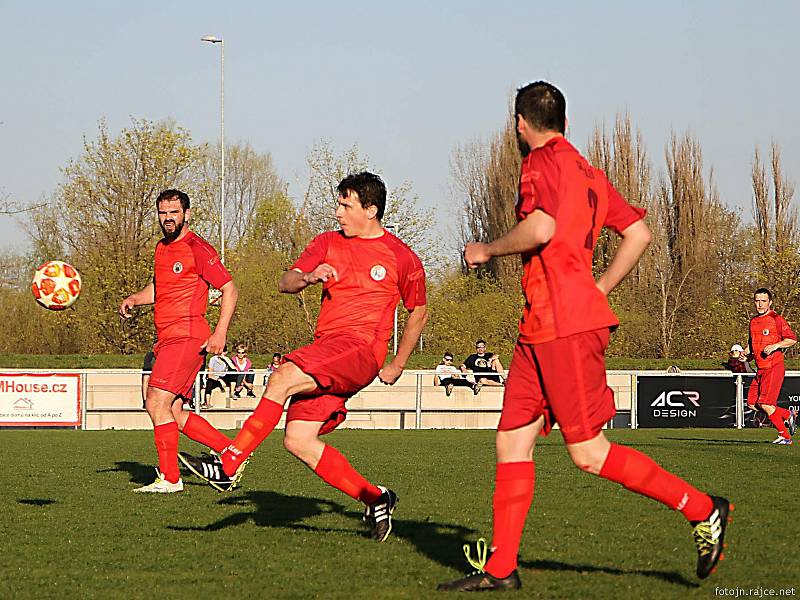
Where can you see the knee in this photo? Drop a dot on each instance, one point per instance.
(295, 445)
(588, 462)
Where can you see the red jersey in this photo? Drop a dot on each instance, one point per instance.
(767, 329)
(561, 296)
(373, 276)
(183, 271)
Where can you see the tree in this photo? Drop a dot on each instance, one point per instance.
(485, 182)
(104, 215)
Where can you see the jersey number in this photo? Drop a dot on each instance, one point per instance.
(592, 197)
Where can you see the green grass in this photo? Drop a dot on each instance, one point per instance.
(72, 528)
(416, 361)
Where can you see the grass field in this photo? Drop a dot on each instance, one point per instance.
(71, 528)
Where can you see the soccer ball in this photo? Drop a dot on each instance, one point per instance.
(56, 285)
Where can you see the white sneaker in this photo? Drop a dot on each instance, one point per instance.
(782, 441)
(161, 485)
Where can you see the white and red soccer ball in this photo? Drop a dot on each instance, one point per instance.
(56, 285)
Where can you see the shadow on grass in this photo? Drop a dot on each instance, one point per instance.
(139, 473)
(36, 501)
(712, 442)
(554, 565)
(440, 542)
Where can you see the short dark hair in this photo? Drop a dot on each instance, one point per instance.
(276, 355)
(763, 291)
(172, 195)
(542, 105)
(480, 342)
(370, 189)
(448, 355)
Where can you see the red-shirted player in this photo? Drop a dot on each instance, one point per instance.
(364, 271)
(770, 335)
(185, 266)
(557, 373)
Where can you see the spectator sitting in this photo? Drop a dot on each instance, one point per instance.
(449, 376)
(488, 369)
(276, 362)
(737, 361)
(219, 375)
(246, 376)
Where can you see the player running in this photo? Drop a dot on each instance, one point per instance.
(364, 271)
(557, 373)
(185, 265)
(770, 335)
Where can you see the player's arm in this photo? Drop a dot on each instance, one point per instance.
(216, 342)
(535, 230)
(295, 280)
(417, 317)
(789, 338)
(635, 239)
(147, 295)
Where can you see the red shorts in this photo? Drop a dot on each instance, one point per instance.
(564, 380)
(766, 387)
(178, 361)
(341, 366)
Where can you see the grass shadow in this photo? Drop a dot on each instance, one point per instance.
(139, 473)
(554, 565)
(270, 509)
(36, 501)
(438, 541)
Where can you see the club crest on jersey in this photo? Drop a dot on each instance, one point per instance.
(765, 332)
(177, 267)
(378, 273)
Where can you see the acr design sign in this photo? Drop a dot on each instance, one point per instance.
(669, 401)
(40, 399)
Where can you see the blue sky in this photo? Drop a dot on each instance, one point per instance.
(406, 81)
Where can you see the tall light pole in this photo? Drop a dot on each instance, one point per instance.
(215, 40)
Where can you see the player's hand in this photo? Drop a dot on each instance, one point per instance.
(215, 343)
(770, 349)
(125, 308)
(390, 374)
(476, 254)
(322, 273)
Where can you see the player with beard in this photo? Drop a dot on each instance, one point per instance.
(185, 266)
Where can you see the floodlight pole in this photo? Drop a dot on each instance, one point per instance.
(215, 40)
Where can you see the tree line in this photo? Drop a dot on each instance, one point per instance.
(689, 297)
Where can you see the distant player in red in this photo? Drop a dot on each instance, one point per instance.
(557, 373)
(364, 271)
(185, 267)
(770, 335)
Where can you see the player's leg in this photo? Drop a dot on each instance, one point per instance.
(582, 404)
(198, 428)
(165, 432)
(286, 381)
(306, 420)
(768, 400)
(520, 424)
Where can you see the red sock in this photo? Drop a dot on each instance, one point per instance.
(641, 474)
(167, 446)
(334, 470)
(779, 424)
(254, 431)
(782, 413)
(200, 430)
(513, 494)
